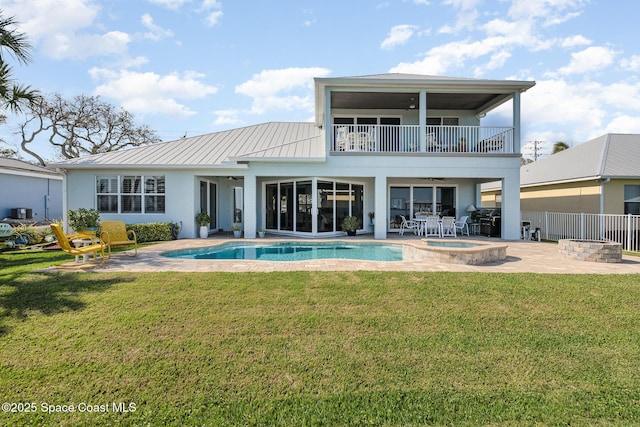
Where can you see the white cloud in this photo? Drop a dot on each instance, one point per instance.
(212, 9)
(155, 33)
(169, 4)
(593, 58)
(590, 109)
(398, 35)
(61, 29)
(282, 89)
(551, 12)
(624, 124)
(149, 92)
(81, 46)
(441, 59)
(622, 95)
(630, 64)
(227, 117)
(577, 40)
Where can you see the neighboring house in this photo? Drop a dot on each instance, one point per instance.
(29, 191)
(601, 176)
(392, 144)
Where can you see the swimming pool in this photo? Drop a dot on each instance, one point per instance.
(293, 251)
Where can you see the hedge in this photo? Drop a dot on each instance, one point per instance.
(152, 231)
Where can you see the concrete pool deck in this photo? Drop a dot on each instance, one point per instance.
(522, 257)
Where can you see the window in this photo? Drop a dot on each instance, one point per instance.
(126, 194)
(632, 199)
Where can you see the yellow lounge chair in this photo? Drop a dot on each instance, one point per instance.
(90, 245)
(114, 233)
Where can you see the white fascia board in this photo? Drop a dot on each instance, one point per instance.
(31, 174)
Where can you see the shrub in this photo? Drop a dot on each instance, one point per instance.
(152, 231)
(81, 219)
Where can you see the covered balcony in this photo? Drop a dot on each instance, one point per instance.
(401, 113)
(407, 139)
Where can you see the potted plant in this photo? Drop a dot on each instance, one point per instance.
(83, 220)
(350, 224)
(261, 232)
(237, 229)
(372, 217)
(203, 219)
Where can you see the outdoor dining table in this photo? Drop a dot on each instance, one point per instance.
(422, 222)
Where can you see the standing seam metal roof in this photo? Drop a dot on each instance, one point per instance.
(283, 140)
(608, 156)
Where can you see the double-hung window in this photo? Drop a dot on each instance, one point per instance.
(127, 194)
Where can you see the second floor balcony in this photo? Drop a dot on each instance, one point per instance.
(409, 139)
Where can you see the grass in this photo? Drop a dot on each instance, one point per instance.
(318, 348)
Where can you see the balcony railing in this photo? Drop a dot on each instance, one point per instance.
(406, 139)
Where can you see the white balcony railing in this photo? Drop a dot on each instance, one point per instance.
(406, 139)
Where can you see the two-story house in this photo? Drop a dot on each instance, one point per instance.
(391, 144)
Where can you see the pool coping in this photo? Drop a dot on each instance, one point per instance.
(522, 256)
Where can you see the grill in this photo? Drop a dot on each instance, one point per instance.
(490, 222)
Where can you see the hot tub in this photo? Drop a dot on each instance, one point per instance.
(470, 252)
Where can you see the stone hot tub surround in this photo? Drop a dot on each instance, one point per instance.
(456, 251)
(590, 250)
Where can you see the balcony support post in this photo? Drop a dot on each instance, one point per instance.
(516, 122)
(380, 206)
(423, 120)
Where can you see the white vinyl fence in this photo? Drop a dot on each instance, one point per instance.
(554, 226)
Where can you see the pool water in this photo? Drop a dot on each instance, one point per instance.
(294, 251)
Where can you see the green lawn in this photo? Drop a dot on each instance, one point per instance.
(317, 348)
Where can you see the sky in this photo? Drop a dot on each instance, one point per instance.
(190, 67)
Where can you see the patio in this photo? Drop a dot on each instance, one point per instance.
(522, 256)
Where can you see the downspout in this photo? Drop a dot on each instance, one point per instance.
(63, 172)
(602, 183)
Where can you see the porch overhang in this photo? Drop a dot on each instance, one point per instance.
(399, 91)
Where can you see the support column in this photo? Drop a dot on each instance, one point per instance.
(380, 205)
(510, 209)
(251, 206)
(423, 120)
(516, 122)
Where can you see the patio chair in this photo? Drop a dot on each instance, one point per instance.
(462, 226)
(80, 246)
(409, 225)
(341, 138)
(448, 226)
(115, 233)
(432, 226)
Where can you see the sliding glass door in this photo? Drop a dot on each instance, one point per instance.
(411, 200)
(290, 205)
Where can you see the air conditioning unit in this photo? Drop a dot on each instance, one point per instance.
(21, 213)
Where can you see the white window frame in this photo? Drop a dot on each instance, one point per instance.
(158, 190)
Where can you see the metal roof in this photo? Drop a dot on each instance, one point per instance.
(20, 167)
(608, 156)
(264, 142)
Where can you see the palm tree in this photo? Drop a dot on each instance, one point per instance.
(13, 96)
(559, 146)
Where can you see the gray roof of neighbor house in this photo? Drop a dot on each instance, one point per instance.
(612, 155)
(20, 167)
(274, 141)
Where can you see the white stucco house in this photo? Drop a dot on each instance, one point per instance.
(392, 144)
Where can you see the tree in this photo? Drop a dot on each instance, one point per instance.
(13, 96)
(81, 126)
(559, 146)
